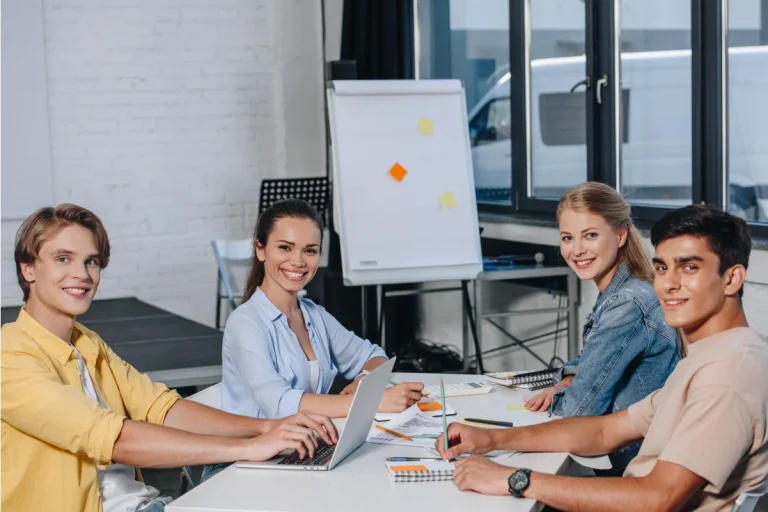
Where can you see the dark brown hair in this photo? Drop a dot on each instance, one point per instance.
(295, 208)
(49, 221)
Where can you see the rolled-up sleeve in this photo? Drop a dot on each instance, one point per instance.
(349, 351)
(247, 344)
(36, 402)
(144, 400)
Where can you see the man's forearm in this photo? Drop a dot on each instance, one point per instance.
(201, 419)
(146, 445)
(593, 494)
(580, 436)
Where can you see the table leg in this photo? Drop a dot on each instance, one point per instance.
(380, 325)
(464, 333)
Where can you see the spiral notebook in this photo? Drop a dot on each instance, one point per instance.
(526, 380)
(423, 471)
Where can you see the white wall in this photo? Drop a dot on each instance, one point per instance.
(164, 118)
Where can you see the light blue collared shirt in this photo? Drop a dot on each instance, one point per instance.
(264, 370)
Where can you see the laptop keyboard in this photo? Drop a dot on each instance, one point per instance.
(322, 456)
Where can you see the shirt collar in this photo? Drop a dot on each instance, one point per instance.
(272, 312)
(618, 279)
(57, 347)
(708, 343)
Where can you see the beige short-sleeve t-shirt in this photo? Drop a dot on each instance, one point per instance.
(710, 418)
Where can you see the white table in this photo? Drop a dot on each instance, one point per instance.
(361, 482)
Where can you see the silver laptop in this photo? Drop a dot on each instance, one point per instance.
(359, 421)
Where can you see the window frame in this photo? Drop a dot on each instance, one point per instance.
(709, 115)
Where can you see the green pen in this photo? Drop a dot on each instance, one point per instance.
(445, 422)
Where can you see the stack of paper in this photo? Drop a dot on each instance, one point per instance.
(409, 428)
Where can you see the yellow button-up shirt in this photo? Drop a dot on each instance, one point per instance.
(52, 433)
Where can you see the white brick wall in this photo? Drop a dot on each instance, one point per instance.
(165, 116)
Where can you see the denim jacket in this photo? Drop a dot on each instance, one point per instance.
(628, 352)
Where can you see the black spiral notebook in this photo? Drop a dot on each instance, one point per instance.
(538, 379)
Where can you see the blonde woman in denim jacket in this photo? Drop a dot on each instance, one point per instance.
(628, 351)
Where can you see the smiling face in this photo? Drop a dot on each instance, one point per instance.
(291, 255)
(65, 275)
(693, 294)
(590, 245)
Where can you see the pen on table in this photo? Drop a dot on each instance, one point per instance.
(411, 459)
(489, 422)
(393, 433)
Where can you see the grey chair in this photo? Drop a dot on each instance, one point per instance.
(747, 501)
(233, 257)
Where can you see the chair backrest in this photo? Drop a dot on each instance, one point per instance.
(209, 396)
(747, 501)
(233, 258)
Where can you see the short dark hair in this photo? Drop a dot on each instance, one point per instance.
(47, 222)
(727, 235)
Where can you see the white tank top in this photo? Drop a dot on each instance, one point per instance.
(118, 487)
(314, 375)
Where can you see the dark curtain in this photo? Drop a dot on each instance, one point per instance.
(377, 35)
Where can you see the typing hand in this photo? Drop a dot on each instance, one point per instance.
(401, 397)
(464, 439)
(481, 475)
(287, 436)
(322, 425)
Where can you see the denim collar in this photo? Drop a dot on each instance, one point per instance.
(618, 279)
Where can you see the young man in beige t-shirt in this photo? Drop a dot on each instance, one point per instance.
(704, 434)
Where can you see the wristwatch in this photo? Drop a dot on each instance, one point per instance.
(519, 482)
(362, 374)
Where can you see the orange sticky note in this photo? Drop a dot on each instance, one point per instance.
(429, 406)
(398, 172)
(424, 126)
(447, 200)
(409, 468)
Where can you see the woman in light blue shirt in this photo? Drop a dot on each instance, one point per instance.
(281, 353)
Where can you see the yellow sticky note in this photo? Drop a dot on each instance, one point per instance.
(424, 126)
(520, 407)
(447, 200)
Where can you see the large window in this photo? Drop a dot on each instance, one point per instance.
(662, 99)
(456, 39)
(748, 109)
(558, 107)
(655, 66)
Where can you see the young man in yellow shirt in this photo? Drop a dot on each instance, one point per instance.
(704, 434)
(77, 420)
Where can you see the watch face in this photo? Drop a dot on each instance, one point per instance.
(518, 481)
